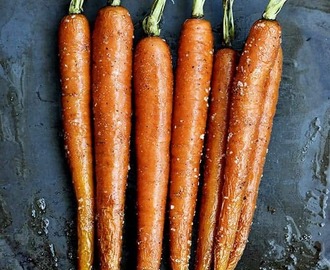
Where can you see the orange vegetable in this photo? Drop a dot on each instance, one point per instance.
(74, 55)
(224, 68)
(112, 42)
(192, 86)
(153, 92)
(259, 157)
(246, 113)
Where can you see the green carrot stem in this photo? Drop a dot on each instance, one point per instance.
(228, 22)
(76, 6)
(151, 22)
(197, 11)
(114, 3)
(273, 8)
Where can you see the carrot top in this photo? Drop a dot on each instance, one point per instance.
(113, 3)
(228, 26)
(272, 9)
(198, 9)
(150, 23)
(76, 6)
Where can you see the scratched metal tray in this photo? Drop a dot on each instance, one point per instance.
(37, 205)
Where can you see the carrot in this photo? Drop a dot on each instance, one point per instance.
(112, 43)
(153, 89)
(256, 61)
(259, 157)
(224, 67)
(192, 86)
(74, 59)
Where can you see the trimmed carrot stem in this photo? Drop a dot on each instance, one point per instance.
(228, 26)
(151, 22)
(273, 8)
(114, 3)
(76, 6)
(198, 9)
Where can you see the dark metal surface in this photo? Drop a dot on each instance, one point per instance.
(37, 206)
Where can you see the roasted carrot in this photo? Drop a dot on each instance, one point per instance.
(224, 67)
(259, 157)
(256, 62)
(153, 91)
(192, 87)
(112, 43)
(74, 58)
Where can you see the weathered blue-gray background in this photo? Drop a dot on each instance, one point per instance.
(37, 205)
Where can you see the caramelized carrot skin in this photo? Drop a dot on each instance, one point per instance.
(74, 59)
(153, 88)
(255, 63)
(259, 157)
(193, 76)
(224, 68)
(112, 70)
